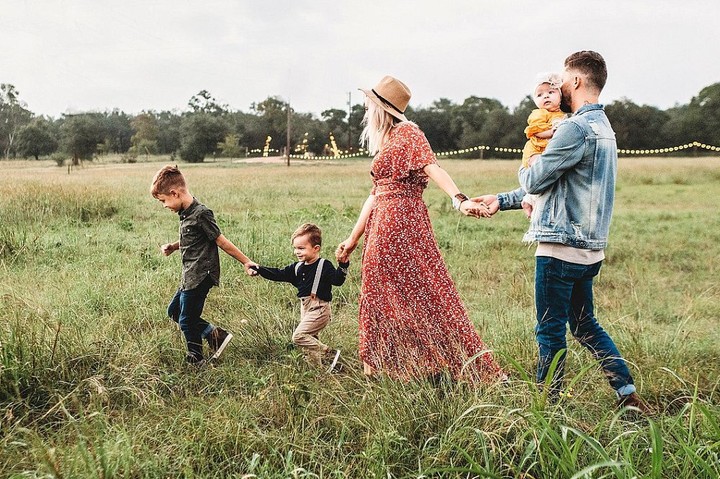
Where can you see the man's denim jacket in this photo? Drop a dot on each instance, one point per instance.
(575, 178)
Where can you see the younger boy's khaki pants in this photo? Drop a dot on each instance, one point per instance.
(314, 316)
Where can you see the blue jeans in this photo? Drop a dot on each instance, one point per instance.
(564, 296)
(185, 309)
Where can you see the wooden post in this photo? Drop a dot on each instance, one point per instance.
(287, 142)
(349, 125)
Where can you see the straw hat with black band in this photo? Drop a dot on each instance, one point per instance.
(391, 95)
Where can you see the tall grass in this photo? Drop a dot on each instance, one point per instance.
(93, 384)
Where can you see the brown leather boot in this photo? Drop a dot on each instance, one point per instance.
(633, 400)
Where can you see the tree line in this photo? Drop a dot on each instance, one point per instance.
(208, 128)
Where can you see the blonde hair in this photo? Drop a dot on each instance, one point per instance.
(378, 124)
(166, 179)
(312, 231)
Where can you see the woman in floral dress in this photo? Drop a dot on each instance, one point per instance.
(412, 321)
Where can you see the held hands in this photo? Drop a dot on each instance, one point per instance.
(491, 201)
(251, 268)
(344, 249)
(476, 209)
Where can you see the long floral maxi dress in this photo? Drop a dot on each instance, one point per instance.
(412, 321)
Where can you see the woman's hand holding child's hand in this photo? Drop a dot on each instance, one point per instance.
(344, 249)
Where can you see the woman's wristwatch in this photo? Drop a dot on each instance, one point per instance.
(458, 200)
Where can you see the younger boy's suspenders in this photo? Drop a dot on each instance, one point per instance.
(318, 274)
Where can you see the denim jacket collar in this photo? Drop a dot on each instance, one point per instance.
(588, 107)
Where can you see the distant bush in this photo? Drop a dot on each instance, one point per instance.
(59, 158)
(201, 134)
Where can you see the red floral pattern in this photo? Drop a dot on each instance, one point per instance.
(412, 321)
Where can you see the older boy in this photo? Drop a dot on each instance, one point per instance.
(198, 245)
(314, 278)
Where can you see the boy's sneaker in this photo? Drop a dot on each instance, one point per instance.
(633, 400)
(195, 360)
(199, 364)
(333, 355)
(217, 340)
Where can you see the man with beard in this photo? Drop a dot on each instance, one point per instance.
(575, 181)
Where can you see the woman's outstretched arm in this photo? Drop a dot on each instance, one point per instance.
(345, 248)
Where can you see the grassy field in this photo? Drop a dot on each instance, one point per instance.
(93, 382)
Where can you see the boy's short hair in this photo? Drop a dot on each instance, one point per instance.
(590, 63)
(312, 231)
(168, 178)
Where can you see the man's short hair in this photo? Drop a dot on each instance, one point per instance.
(168, 178)
(312, 231)
(591, 64)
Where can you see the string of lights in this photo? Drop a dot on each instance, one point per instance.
(694, 144)
(653, 151)
(474, 148)
(649, 151)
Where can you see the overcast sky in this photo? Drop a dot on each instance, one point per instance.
(77, 55)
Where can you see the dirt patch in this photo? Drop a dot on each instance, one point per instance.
(281, 160)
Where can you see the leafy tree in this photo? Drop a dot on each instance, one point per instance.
(117, 131)
(204, 102)
(676, 130)
(437, 122)
(80, 136)
(702, 117)
(493, 131)
(249, 129)
(273, 115)
(230, 148)
(335, 121)
(168, 138)
(36, 139)
(13, 115)
(636, 127)
(317, 130)
(472, 116)
(146, 129)
(201, 133)
(357, 113)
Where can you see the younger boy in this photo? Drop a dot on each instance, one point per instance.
(313, 277)
(198, 245)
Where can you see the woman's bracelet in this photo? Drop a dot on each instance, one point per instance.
(458, 200)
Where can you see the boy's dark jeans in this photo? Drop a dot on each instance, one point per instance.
(185, 309)
(564, 296)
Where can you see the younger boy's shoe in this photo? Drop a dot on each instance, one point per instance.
(218, 340)
(333, 355)
(633, 400)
